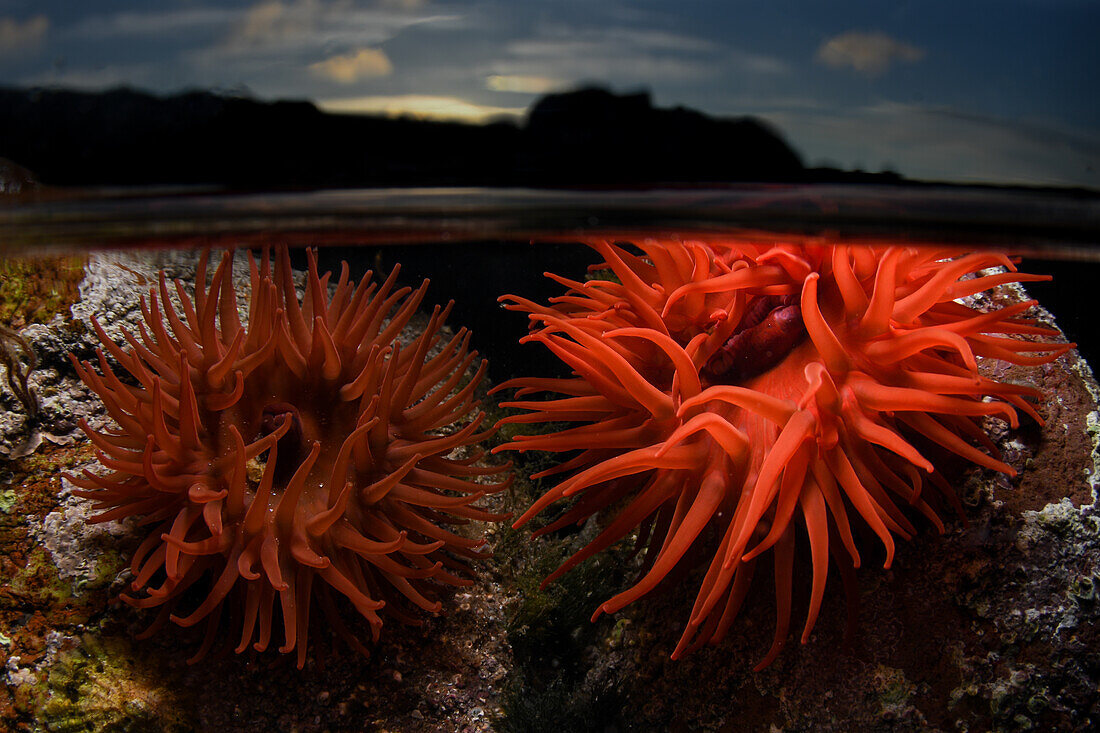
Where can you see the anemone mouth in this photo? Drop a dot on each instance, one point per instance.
(769, 332)
(772, 395)
(291, 446)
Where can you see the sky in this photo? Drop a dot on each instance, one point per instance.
(967, 90)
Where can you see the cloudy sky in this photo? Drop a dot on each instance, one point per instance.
(969, 90)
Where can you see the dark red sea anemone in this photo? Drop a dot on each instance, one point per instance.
(305, 458)
(771, 391)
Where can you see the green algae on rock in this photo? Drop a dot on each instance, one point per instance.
(97, 686)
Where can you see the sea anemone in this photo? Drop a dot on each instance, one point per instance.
(770, 391)
(308, 456)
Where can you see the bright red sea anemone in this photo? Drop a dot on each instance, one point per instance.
(307, 458)
(777, 393)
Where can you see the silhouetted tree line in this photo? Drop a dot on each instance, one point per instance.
(586, 137)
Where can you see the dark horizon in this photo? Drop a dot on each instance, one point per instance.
(589, 136)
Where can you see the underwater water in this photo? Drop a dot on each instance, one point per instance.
(989, 623)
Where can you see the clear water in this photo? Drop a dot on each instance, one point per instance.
(475, 245)
(502, 240)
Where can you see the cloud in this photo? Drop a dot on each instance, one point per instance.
(571, 54)
(424, 106)
(278, 26)
(145, 24)
(524, 83)
(366, 63)
(868, 53)
(274, 21)
(626, 55)
(282, 47)
(16, 36)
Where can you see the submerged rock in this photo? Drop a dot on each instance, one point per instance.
(992, 626)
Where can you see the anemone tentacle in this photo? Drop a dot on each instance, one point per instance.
(874, 372)
(350, 432)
